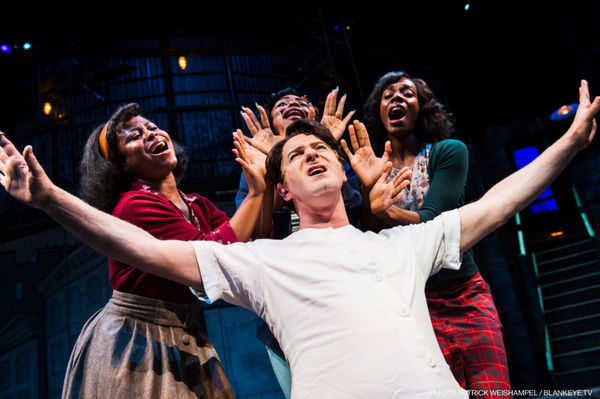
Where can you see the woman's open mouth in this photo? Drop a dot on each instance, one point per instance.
(159, 148)
(396, 114)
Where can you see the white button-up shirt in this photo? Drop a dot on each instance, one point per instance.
(347, 307)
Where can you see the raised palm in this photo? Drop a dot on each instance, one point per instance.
(333, 116)
(263, 135)
(365, 163)
(583, 127)
(252, 162)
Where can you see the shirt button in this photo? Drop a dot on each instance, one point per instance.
(404, 312)
(185, 339)
(431, 361)
(378, 277)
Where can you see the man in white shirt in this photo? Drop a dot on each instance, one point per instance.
(348, 307)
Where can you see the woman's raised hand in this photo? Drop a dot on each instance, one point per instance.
(364, 162)
(386, 192)
(252, 162)
(263, 136)
(333, 116)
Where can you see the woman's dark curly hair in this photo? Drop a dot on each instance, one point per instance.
(102, 180)
(433, 124)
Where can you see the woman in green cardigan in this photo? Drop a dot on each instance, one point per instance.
(403, 114)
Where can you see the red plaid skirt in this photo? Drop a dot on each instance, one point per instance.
(468, 330)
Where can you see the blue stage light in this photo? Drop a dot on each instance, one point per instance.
(26, 46)
(5, 48)
(545, 202)
(467, 6)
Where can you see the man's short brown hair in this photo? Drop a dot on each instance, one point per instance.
(302, 126)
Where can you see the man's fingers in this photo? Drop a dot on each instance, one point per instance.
(594, 106)
(7, 146)
(593, 132)
(584, 93)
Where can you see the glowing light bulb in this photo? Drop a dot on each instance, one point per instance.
(47, 108)
(182, 62)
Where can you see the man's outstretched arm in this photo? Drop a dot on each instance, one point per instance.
(24, 179)
(518, 190)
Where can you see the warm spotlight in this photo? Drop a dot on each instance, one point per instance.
(557, 234)
(564, 112)
(47, 108)
(182, 62)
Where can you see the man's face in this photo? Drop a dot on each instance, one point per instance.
(310, 169)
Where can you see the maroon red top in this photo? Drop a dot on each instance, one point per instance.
(153, 212)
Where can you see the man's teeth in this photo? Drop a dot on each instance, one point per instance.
(316, 171)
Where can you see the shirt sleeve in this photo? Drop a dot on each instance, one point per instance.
(433, 245)
(157, 216)
(448, 168)
(230, 272)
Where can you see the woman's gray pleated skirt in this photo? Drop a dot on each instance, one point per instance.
(138, 347)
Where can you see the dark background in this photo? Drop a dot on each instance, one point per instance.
(501, 67)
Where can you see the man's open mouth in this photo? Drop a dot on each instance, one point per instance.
(316, 170)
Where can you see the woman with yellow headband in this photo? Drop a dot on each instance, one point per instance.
(146, 342)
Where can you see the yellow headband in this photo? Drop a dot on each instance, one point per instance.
(104, 143)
